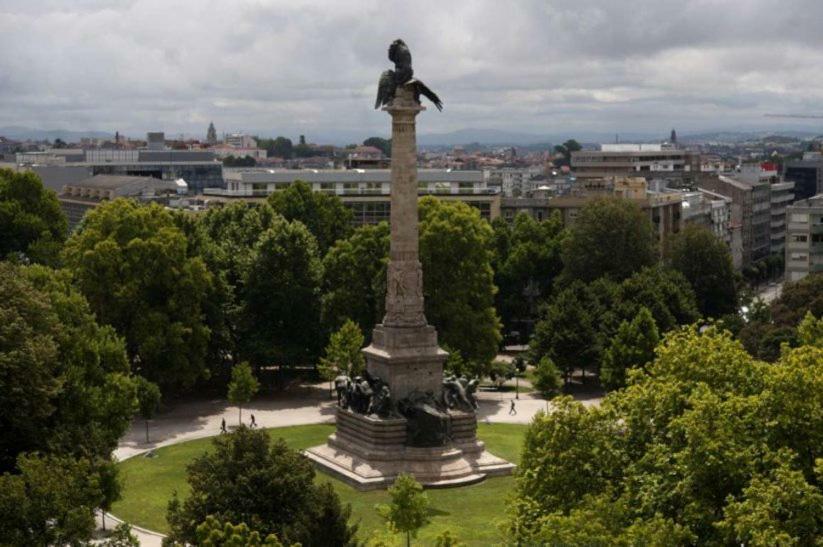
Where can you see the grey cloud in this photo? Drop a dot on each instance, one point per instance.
(279, 67)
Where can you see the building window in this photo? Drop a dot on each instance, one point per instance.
(800, 238)
(799, 217)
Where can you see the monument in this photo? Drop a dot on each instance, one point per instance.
(403, 416)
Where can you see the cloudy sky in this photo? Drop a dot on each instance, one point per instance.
(289, 67)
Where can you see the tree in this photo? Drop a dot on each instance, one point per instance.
(242, 388)
(610, 237)
(64, 380)
(280, 319)
(31, 221)
(766, 332)
(664, 291)
(49, 501)
(567, 333)
(547, 378)
(780, 508)
(632, 347)
(706, 263)
(148, 400)
(134, 266)
(705, 446)
(384, 145)
(526, 262)
(354, 278)
(213, 533)
(324, 215)
(565, 150)
(247, 478)
(409, 507)
(343, 353)
(458, 282)
(281, 147)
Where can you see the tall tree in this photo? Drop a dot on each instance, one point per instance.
(408, 510)
(280, 322)
(632, 347)
(281, 147)
(248, 478)
(707, 263)
(31, 221)
(135, 267)
(50, 501)
(343, 353)
(524, 274)
(242, 388)
(610, 237)
(706, 444)
(324, 215)
(354, 278)
(458, 282)
(664, 291)
(64, 380)
(565, 150)
(567, 333)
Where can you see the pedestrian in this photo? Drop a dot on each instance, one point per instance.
(253, 422)
(223, 426)
(512, 410)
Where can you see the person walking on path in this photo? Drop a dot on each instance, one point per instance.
(223, 426)
(253, 422)
(512, 410)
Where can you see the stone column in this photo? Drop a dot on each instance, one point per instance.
(404, 296)
(404, 351)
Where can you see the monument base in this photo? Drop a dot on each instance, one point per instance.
(368, 453)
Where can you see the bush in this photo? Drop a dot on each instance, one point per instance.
(547, 378)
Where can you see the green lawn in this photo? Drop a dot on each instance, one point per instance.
(470, 512)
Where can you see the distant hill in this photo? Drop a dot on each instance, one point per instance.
(19, 133)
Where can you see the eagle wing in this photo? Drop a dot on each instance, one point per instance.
(422, 89)
(384, 88)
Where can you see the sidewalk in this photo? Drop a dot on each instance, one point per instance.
(308, 404)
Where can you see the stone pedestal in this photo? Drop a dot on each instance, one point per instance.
(369, 452)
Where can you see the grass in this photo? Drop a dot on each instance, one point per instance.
(470, 512)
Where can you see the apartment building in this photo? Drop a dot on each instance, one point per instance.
(804, 238)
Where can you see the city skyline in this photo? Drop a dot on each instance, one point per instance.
(298, 68)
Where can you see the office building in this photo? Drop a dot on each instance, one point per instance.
(807, 174)
(367, 192)
(59, 167)
(664, 208)
(804, 238)
(77, 198)
(636, 160)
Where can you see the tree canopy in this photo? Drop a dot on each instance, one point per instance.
(706, 262)
(324, 215)
(354, 278)
(526, 262)
(31, 221)
(64, 380)
(705, 445)
(248, 478)
(458, 281)
(135, 267)
(280, 321)
(610, 237)
(384, 145)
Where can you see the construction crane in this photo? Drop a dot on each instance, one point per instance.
(808, 116)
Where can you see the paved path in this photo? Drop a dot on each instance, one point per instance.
(309, 404)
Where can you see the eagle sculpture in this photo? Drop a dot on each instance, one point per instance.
(402, 74)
